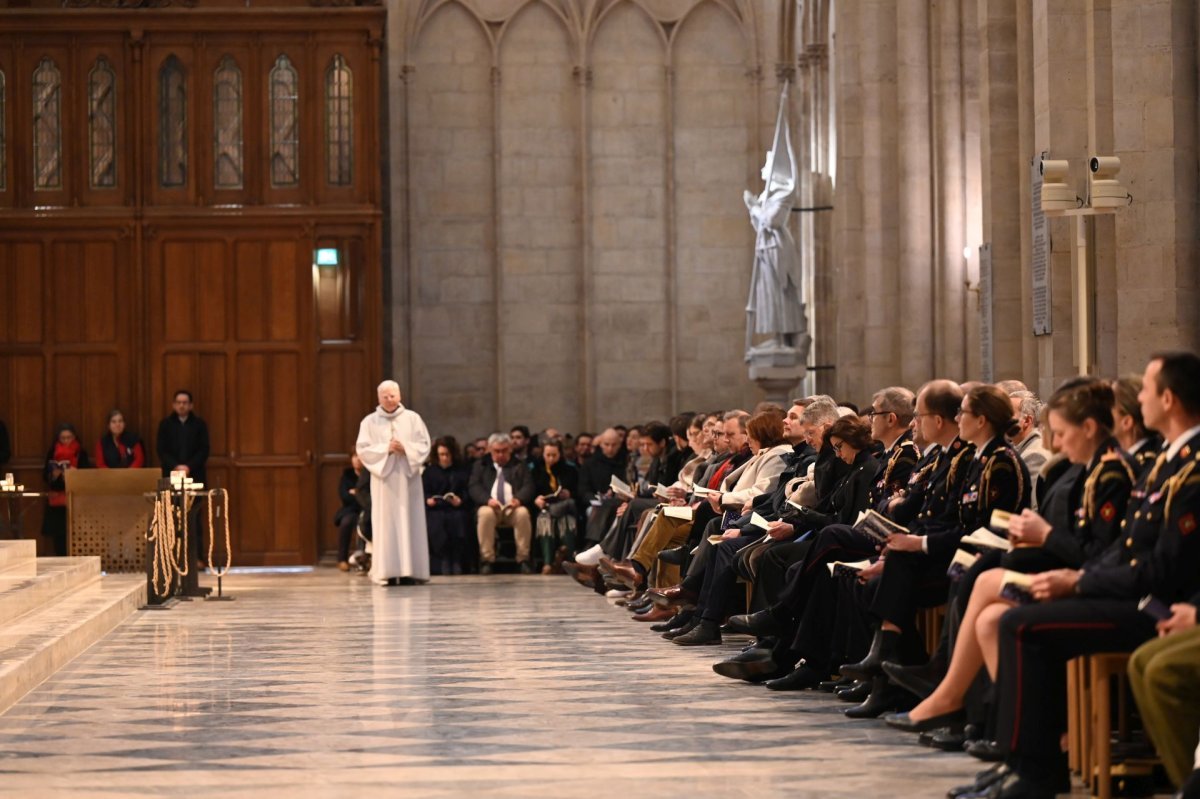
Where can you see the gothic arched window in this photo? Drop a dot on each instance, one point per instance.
(102, 125)
(227, 125)
(172, 124)
(47, 126)
(285, 124)
(339, 122)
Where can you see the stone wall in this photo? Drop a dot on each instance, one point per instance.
(568, 241)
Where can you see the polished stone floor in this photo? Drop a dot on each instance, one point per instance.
(323, 685)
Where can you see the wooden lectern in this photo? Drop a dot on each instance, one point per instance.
(107, 516)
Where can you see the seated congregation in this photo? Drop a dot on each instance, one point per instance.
(1015, 539)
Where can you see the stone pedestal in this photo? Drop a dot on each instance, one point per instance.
(777, 370)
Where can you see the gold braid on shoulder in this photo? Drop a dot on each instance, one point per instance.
(1093, 481)
(986, 479)
(1176, 481)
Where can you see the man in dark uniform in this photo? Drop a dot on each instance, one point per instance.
(1095, 609)
(182, 445)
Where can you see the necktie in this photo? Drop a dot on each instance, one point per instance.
(500, 492)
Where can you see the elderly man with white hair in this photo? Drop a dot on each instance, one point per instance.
(393, 444)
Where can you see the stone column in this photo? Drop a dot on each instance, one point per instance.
(1154, 122)
(1004, 203)
(1061, 104)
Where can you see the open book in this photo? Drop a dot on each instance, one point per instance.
(449, 496)
(620, 488)
(1016, 587)
(552, 495)
(843, 569)
(999, 520)
(759, 521)
(701, 491)
(877, 526)
(984, 538)
(662, 492)
(683, 512)
(962, 561)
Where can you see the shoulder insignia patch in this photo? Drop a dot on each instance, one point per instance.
(1108, 511)
(1187, 524)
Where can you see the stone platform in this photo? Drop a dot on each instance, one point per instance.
(51, 610)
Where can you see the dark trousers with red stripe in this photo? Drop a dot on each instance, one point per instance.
(1036, 641)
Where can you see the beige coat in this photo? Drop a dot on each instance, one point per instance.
(756, 476)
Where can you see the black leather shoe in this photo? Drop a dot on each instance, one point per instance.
(1012, 786)
(526, 567)
(748, 665)
(983, 780)
(920, 681)
(684, 630)
(674, 623)
(761, 623)
(883, 697)
(802, 677)
(902, 721)
(858, 691)
(674, 556)
(485, 568)
(829, 686)
(705, 633)
(948, 739)
(982, 749)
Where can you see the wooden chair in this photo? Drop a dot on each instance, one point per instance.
(1089, 717)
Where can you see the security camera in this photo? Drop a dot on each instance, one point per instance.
(1056, 194)
(1104, 189)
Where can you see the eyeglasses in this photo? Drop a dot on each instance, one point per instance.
(837, 445)
(964, 412)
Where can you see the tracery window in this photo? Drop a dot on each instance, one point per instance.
(285, 124)
(102, 125)
(172, 124)
(339, 122)
(227, 125)
(47, 126)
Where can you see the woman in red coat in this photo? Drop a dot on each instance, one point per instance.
(65, 453)
(119, 448)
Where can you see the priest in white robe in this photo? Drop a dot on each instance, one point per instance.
(393, 444)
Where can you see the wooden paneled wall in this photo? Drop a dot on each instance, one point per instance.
(117, 295)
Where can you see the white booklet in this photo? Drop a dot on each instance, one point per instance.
(678, 512)
(620, 488)
(986, 539)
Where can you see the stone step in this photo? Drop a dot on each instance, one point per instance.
(26, 587)
(43, 641)
(17, 552)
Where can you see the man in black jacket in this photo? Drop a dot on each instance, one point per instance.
(502, 490)
(182, 440)
(182, 445)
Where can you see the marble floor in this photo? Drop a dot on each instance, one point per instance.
(323, 685)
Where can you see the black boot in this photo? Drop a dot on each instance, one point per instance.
(883, 647)
(883, 697)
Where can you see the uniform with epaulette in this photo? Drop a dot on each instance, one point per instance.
(1143, 460)
(995, 480)
(1157, 552)
(897, 463)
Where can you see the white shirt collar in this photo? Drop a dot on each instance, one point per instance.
(1141, 442)
(1178, 443)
